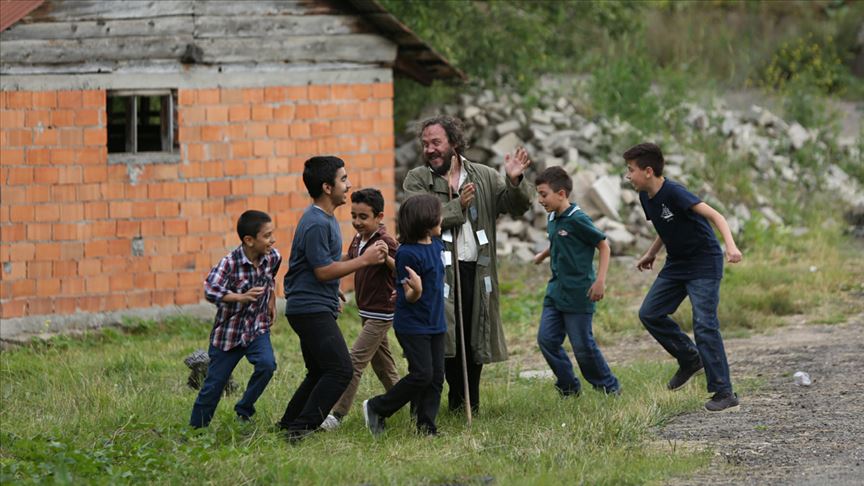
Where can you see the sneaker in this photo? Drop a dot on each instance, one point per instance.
(569, 392)
(722, 402)
(683, 375)
(374, 422)
(296, 436)
(243, 419)
(331, 422)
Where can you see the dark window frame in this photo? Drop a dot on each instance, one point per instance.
(133, 153)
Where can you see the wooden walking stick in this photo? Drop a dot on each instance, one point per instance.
(460, 336)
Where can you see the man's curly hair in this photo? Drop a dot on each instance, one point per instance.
(452, 127)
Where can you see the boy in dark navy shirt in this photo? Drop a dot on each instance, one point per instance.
(694, 267)
(419, 322)
(312, 296)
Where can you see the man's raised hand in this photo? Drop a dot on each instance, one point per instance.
(515, 165)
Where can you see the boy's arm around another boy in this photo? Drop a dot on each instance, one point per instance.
(373, 256)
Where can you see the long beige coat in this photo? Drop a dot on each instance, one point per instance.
(495, 195)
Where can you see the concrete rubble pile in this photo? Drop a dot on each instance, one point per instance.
(557, 133)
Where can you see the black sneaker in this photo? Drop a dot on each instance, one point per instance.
(374, 422)
(295, 436)
(722, 402)
(683, 375)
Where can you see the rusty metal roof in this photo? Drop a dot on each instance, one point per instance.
(12, 11)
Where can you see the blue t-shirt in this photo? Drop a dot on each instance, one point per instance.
(572, 239)
(426, 316)
(317, 243)
(692, 250)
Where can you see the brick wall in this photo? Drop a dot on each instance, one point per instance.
(68, 219)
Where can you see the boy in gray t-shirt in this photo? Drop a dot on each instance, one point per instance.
(312, 297)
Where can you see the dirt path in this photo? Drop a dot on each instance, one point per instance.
(784, 433)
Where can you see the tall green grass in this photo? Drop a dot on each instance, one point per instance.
(112, 408)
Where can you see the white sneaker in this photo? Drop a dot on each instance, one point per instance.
(331, 422)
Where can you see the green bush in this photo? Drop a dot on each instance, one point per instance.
(806, 61)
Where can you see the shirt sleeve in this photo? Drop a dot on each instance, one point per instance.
(316, 245)
(406, 259)
(218, 282)
(684, 199)
(585, 231)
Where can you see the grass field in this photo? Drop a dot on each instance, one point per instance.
(111, 407)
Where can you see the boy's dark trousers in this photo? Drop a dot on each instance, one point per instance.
(422, 385)
(328, 371)
(453, 366)
(259, 353)
(663, 299)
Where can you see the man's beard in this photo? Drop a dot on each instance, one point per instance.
(445, 165)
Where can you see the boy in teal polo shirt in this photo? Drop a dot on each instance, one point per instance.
(572, 290)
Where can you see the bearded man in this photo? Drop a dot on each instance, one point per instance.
(473, 196)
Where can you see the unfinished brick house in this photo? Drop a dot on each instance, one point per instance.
(133, 134)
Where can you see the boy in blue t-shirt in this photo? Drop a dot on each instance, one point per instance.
(694, 267)
(419, 320)
(568, 307)
(312, 297)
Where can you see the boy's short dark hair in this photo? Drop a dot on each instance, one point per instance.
(371, 197)
(452, 127)
(646, 155)
(320, 170)
(556, 178)
(417, 215)
(250, 223)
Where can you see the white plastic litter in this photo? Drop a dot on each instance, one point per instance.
(802, 378)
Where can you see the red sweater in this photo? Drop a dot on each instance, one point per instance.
(375, 285)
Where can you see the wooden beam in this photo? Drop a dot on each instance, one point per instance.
(156, 27)
(281, 26)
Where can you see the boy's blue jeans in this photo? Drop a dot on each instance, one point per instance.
(222, 363)
(663, 299)
(554, 324)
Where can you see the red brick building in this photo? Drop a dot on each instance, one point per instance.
(133, 134)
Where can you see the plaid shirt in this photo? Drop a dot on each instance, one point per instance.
(239, 323)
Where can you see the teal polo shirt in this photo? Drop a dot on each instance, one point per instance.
(573, 238)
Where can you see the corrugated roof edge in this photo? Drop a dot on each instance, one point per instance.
(14, 10)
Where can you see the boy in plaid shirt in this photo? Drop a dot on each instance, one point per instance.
(242, 287)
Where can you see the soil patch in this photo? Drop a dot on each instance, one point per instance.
(785, 433)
